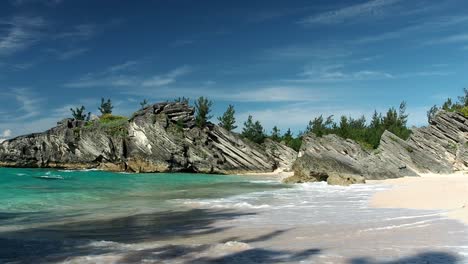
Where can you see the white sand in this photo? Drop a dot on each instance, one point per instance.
(277, 174)
(444, 192)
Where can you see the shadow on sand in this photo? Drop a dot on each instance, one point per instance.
(61, 242)
(422, 258)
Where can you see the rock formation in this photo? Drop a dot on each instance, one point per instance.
(159, 138)
(439, 148)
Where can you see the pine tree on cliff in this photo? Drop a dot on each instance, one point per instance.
(144, 104)
(202, 109)
(275, 134)
(228, 120)
(79, 114)
(253, 131)
(106, 107)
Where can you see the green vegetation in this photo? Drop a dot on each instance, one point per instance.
(276, 134)
(461, 106)
(106, 106)
(111, 125)
(291, 141)
(228, 120)
(368, 136)
(144, 104)
(80, 114)
(253, 131)
(183, 100)
(202, 109)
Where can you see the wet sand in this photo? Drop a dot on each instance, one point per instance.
(429, 192)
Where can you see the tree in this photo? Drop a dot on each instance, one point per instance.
(448, 105)
(106, 107)
(182, 100)
(228, 120)
(432, 113)
(320, 127)
(275, 134)
(143, 104)
(288, 135)
(203, 109)
(464, 98)
(253, 131)
(79, 114)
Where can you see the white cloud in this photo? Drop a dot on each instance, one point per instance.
(124, 66)
(336, 73)
(112, 78)
(28, 101)
(370, 8)
(46, 2)
(6, 133)
(66, 55)
(163, 80)
(83, 32)
(21, 33)
(307, 52)
(458, 38)
(431, 26)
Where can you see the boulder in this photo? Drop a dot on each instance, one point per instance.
(345, 179)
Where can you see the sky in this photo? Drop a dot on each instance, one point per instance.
(283, 62)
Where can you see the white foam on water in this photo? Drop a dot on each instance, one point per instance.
(344, 211)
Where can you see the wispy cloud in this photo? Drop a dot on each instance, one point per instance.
(113, 78)
(457, 38)
(72, 53)
(21, 33)
(337, 73)
(306, 52)
(123, 66)
(79, 32)
(46, 2)
(28, 104)
(371, 8)
(341, 73)
(421, 27)
(165, 79)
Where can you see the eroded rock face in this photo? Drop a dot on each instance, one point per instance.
(439, 148)
(282, 154)
(159, 138)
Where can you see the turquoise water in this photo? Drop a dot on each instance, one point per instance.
(57, 194)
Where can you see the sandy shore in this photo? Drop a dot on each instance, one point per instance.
(277, 175)
(444, 192)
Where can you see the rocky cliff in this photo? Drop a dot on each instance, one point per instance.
(159, 138)
(439, 148)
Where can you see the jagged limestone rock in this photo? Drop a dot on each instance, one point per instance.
(282, 154)
(439, 148)
(159, 138)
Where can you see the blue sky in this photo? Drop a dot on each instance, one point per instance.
(284, 62)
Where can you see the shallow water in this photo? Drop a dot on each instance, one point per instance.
(101, 217)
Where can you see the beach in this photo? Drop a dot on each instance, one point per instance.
(428, 192)
(190, 218)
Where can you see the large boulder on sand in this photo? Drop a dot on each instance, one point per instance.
(345, 179)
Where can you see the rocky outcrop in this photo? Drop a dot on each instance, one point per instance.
(159, 138)
(439, 148)
(283, 155)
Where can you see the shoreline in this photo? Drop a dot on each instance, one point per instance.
(447, 192)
